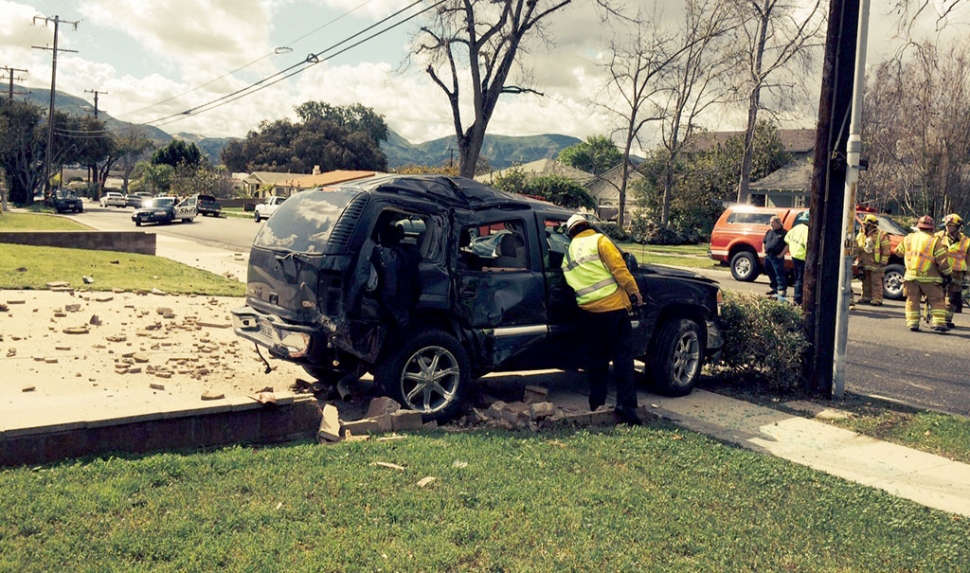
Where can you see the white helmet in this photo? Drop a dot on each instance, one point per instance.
(575, 220)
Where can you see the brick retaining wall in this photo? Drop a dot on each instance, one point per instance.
(124, 241)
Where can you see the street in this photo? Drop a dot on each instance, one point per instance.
(883, 358)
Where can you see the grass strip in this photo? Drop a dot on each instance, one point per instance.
(628, 499)
(30, 267)
(39, 222)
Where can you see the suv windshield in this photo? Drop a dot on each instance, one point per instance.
(303, 222)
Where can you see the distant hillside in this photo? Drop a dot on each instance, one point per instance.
(78, 106)
(501, 150)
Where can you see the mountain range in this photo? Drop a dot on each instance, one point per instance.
(501, 151)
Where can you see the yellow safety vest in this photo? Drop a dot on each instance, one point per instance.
(919, 253)
(957, 252)
(585, 271)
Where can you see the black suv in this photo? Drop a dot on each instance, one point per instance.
(66, 200)
(429, 282)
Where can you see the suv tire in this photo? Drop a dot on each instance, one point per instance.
(675, 361)
(892, 286)
(429, 373)
(745, 267)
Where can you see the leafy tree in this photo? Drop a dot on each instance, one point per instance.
(556, 189)
(176, 153)
(597, 155)
(481, 38)
(22, 149)
(341, 137)
(156, 178)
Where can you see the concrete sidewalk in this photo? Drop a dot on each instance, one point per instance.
(927, 479)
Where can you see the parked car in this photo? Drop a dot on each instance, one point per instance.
(113, 199)
(737, 240)
(165, 210)
(315, 296)
(208, 205)
(64, 200)
(267, 208)
(137, 199)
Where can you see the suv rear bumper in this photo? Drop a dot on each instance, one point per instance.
(283, 340)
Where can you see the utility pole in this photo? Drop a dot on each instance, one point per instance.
(50, 112)
(828, 193)
(94, 168)
(12, 70)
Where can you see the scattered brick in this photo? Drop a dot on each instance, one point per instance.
(72, 307)
(28, 389)
(406, 420)
(381, 406)
(212, 395)
(154, 386)
(541, 410)
(425, 481)
(76, 330)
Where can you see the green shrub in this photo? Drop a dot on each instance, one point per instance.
(764, 341)
(647, 231)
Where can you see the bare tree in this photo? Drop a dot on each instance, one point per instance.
(917, 132)
(773, 36)
(487, 35)
(695, 86)
(648, 70)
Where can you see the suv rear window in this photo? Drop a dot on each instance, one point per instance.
(304, 222)
(206, 198)
(742, 218)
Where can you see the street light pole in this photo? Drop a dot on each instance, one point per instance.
(853, 156)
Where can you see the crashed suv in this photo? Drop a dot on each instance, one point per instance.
(430, 282)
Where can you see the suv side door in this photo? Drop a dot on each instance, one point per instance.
(501, 295)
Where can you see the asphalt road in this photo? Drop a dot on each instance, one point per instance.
(230, 233)
(883, 358)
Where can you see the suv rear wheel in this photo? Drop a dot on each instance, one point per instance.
(428, 373)
(744, 266)
(675, 361)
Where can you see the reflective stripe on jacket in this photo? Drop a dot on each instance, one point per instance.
(585, 272)
(880, 250)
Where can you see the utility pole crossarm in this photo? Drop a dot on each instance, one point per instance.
(50, 113)
(12, 70)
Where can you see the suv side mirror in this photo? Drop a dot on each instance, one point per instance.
(631, 261)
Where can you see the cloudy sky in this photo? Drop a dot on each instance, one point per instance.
(153, 60)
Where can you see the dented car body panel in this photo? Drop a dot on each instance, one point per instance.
(323, 268)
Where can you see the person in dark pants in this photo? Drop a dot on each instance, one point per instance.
(775, 249)
(595, 270)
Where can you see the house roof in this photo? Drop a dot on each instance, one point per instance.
(794, 140)
(792, 177)
(271, 177)
(540, 168)
(328, 178)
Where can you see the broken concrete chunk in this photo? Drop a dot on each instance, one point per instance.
(95, 320)
(425, 481)
(154, 386)
(365, 426)
(28, 389)
(330, 424)
(541, 410)
(50, 360)
(58, 284)
(212, 395)
(158, 292)
(11, 352)
(104, 298)
(87, 280)
(4, 307)
(76, 330)
(406, 420)
(382, 406)
(389, 465)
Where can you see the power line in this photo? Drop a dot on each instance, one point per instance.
(50, 113)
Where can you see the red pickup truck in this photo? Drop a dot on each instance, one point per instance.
(737, 237)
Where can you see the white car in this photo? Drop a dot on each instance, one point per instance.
(112, 199)
(267, 208)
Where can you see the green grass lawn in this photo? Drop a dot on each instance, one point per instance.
(654, 498)
(38, 221)
(28, 267)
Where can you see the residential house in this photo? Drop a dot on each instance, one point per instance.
(318, 179)
(539, 168)
(606, 190)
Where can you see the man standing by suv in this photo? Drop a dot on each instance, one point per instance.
(774, 249)
(595, 270)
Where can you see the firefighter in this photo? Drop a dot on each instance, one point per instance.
(927, 274)
(873, 250)
(957, 247)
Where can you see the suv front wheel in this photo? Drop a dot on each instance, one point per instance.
(428, 373)
(674, 362)
(892, 286)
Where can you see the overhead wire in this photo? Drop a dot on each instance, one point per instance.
(311, 60)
